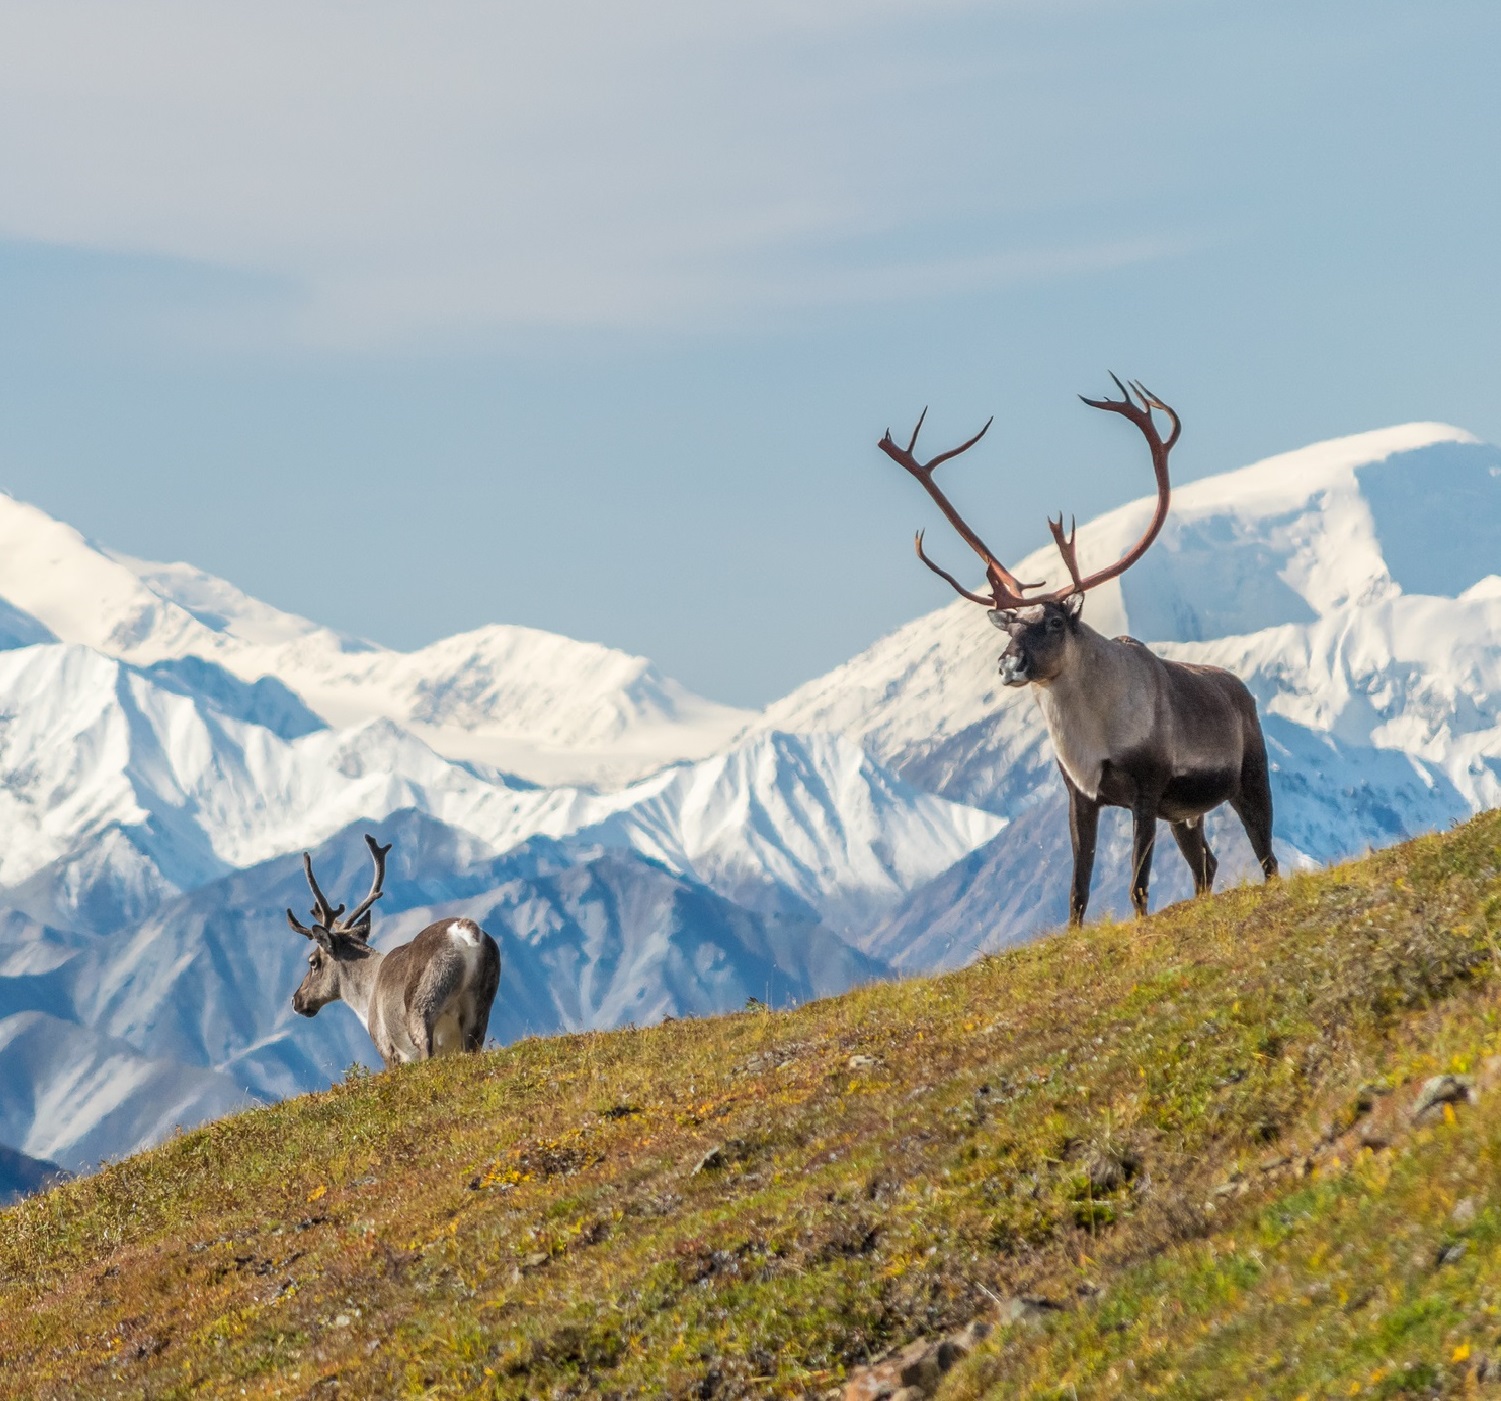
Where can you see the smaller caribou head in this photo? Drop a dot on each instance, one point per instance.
(1041, 638)
(339, 944)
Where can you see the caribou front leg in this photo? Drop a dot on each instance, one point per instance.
(1083, 824)
(1143, 839)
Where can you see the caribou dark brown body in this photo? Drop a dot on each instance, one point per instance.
(1167, 740)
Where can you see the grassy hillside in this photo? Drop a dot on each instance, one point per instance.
(1190, 1135)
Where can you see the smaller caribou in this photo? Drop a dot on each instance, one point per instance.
(430, 997)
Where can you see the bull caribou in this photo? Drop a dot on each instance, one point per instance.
(1167, 740)
(427, 998)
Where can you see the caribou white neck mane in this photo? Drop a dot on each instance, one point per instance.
(1081, 707)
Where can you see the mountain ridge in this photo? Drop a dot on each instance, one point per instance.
(551, 707)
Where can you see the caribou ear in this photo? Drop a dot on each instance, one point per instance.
(354, 940)
(1002, 617)
(1073, 605)
(318, 934)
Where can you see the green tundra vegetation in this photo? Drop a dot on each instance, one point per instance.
(1189, 1141)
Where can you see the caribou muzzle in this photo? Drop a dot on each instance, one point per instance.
(1014, 669)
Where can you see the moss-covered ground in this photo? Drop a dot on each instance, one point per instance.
(1190, 1134)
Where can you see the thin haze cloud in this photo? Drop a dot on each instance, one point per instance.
(411, 171)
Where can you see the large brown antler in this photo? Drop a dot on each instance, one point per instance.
(1006, 590)
(325, 916)
(1142, 418)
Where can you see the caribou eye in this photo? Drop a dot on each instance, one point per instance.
(1055, 624)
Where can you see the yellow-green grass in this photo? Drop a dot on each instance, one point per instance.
(1052, 1122)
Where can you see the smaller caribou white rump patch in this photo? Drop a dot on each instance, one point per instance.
(430, 997)
(467, 931)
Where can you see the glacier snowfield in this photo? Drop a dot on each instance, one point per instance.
(169, 746)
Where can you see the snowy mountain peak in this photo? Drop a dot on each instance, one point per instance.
(546, 707)
(1282, 543)
(810, 817)
(1308, 533)
(1296, 536)
(77, 593)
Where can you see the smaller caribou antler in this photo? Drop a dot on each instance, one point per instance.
(378, 854)
(323, 912)
(326, 917)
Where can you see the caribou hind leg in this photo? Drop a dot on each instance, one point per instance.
(1195, 848)
(484, 999)
(1253, 805)
(1083, 825)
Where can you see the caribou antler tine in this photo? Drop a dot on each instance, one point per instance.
(378, 854)
(949, 579)
(1065, 545)
(324, 914)
(1166, 408)
(1125, 393)
(1056, 526)
(1149, 401)
(299, 926)
(963, 447)
(1010, 591)
(912, 446)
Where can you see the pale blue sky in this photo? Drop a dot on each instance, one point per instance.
(588, 316)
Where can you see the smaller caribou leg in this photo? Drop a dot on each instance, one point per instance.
(420, 1030)
(1195, 848)
(1083, 825)
(1143, 839)
(484, 999)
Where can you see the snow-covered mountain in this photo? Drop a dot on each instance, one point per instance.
(117, 791)
(546, 707)
(168, 745)
(145, 968)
